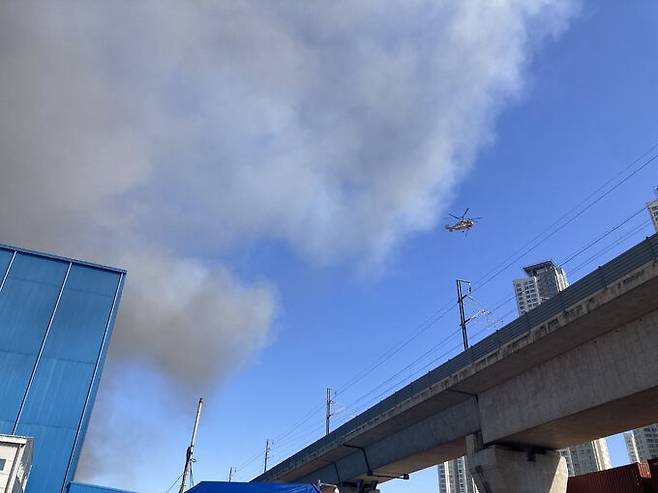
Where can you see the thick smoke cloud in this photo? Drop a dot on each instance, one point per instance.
(154, 135)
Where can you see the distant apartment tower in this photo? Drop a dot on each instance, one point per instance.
(454, 477)
(642, 443)
(587, 457)
(631, 447)
(544, 281)
(652, 207)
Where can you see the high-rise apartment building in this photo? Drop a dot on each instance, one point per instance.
(56, 319)
(544, 280)
(631, 447)
(454, 477)
(642, 443)
(587, 457)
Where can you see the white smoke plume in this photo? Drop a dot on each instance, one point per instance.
(157, 134)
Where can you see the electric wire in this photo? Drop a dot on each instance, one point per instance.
(417, 332)
(601, 237)
(422, 328)
(613, 245)
(410, 378)
(427, 353)
(522, 250)
(174, 483)
(507, 299)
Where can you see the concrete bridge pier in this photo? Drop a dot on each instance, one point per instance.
(499, 469)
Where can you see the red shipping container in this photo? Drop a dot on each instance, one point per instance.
(653, 466)
(633, 478)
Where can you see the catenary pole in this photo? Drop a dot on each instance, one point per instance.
(190, 450)
(328, 411)
(462, 316)
(268, 445)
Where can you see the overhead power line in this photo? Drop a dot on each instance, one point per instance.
(550, 232)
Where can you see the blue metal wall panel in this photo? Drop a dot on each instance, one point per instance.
(117, 286)
(49, 457)
(5, 258)
(27, 301)
(55, 321)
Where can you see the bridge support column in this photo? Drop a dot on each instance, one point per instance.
(498, 469)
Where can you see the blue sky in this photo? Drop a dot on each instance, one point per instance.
(275, 180)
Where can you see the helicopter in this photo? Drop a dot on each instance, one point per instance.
(463, 224)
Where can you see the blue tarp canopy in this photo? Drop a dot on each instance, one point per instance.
(75, 487)
(224, 487)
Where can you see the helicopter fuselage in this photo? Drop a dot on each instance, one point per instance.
(463, 225)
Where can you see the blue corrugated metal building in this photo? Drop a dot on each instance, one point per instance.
(56, 318)
(75, 487)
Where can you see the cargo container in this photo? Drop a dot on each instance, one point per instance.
(633, 478)
(653, 467)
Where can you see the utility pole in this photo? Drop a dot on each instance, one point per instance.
(268, 446)
(190, 450)
(328, 411)
(462, 317)
(230, 474)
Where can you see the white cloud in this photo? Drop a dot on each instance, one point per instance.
(155, 134)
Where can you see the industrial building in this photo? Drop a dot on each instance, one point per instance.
(56, 320)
